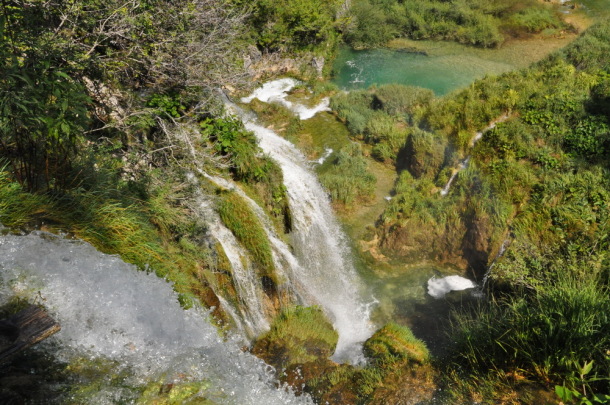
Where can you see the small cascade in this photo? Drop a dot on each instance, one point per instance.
(461, 166)
(464, 163)
(325, 156)
(110, 310)
(276, 92)
(325, 271)
(283, 259)
(503, 248)
(253, 320)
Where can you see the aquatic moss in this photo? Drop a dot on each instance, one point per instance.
(395, 344)
(298, 335)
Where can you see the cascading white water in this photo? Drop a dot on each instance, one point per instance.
(109, 309)
(286, 264)
(326, 272)
(276, 92)
(325, 156)
(461, 167)
(252, 320)
(505, 244)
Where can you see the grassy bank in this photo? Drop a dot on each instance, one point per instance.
(480, 23)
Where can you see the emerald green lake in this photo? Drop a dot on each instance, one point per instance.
(447, 66)
(442, 72)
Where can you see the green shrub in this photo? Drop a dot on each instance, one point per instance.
(423, 154)
(535, 20)
(399, 100)
(166, 105)
(346, 176)
(370, 27)
(292, 25)
(240, 146)
(479, 23)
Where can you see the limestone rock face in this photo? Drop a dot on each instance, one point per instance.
(476, 245)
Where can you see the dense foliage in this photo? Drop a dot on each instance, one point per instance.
(105, 107)
(294, 24)
(101, 117)
(480, 22)
(346, 176)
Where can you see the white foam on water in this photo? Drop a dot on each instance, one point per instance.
(439, 287)
(276, 91)
(272, 90)
(109, 309)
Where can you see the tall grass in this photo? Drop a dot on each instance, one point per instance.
(18, 207)
(346, 176)
(154, 234)
(545, 336)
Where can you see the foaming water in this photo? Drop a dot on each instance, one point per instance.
(276, 91)
(325, 273)
(110, 310)
(439, 287)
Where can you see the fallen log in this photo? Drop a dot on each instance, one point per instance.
(24, 329)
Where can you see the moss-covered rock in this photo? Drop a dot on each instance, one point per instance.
(239, 218)
(298, 335)
(395, 345)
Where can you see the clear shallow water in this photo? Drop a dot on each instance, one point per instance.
(403, 296)
(445, 66)
(441, 72)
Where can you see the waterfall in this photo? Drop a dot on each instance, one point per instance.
(283, 259)
(326, 155)
(325, 271)
(110, 310)
(462, 166)
(252, 321)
